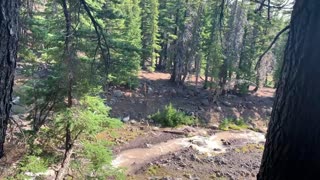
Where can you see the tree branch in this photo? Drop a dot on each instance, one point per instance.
(101, 36)
(270, 5)
(270, 46)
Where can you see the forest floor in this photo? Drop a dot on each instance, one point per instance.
(147, 151)
(155, 92)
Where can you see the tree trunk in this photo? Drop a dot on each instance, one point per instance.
(65, 165)
(8, 55)
(68, 60)
(292, 146)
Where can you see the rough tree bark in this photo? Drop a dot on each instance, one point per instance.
(292, 146)
(8, 56)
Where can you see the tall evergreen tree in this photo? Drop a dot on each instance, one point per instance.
(292, 146)
(8, 57)
(150, 32)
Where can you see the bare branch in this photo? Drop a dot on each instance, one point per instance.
(101, 36)
(270, 5)
(270, 46)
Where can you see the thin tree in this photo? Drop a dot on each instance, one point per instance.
(8, 56)
(292, 146)
(68, 61)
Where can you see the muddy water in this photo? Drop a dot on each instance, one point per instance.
(210, 145)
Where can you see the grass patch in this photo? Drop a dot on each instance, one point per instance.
(250, 148)
(171, 117)
(233, 124)
(152, 170)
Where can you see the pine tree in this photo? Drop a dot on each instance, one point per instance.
(8, 56)
(150, 33)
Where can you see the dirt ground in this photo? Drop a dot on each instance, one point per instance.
(241, 160)
(155, 92)
(168, 154)
(154, 156)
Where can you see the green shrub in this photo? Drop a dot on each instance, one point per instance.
(235, 124)
(29, 166)
(171, 117)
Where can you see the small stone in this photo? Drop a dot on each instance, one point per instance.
(226, 143)
(118, 93)
(150, 90)
(195, 158)
(218, 109)
(226, 103)
(148, 145)
(182, 165)
(133, 122)
(126, 119)
(189, 176)
(155, 128)
(269, 112)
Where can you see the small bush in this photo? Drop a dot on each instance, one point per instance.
(171, 117)
(235, 124)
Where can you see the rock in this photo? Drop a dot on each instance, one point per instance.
(191, 114)
(166, 178)
(148, 145)
(182, 165)
(205, 102)
(118, 93)
(214, 126)
(126, 119)
(142, 128)
(236, 113)
(15, 117)
(133, 121)
(226, 143)
(16, 100)
(198, 142)
(154, 178)
(195, 158)
(226, 103)
(189, 176)
(217, 149)
(128, 94)
(155, 128)
(150, 90)
(269, 111)
(218, 109)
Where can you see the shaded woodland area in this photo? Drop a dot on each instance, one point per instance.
(92, 89)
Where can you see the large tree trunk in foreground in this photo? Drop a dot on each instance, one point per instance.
(8, 55)
(292, 149)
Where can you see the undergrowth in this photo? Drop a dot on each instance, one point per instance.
(234, 124)
(171, 117)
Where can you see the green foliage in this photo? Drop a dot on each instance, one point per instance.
(150, 30)
(171, 117)
(30, 166)
(95, 162)
(86, 118)
(90, 117)
(33, 164)
(235, 124)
